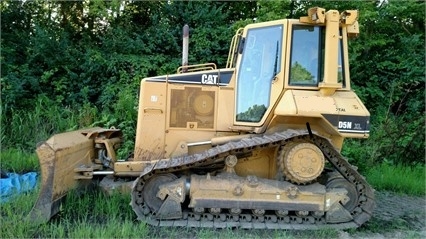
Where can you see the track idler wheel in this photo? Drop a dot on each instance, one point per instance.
(340, 182)
(152, 187)
(301, 162)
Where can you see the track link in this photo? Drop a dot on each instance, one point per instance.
(361, 213)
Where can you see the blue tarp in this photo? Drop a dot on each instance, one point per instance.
(16, 184)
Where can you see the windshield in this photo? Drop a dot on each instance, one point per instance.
(260, 62)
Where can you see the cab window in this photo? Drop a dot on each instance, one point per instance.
(260, 63)
(340, 72)
(305, 55)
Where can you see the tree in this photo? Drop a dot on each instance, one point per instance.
(389, 73)
(90, 52)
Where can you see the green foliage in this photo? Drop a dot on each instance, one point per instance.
(26, 128)
(13, 214)
(388, 74)
(109, 217)
(274, 10)
(253, 114)
(398, 178)
(122, 115)
(17, 161)
(299, 74)
(114, 207)
(72, 64)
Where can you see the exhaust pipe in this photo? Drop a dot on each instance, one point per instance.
(185, 44)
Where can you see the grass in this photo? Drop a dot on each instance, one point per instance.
(89, 215)
(17, 161)
(13, 214)
(23, 129)
(398, 178)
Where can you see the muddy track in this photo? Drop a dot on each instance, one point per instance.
(361, 213)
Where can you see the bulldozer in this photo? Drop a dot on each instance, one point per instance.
(253, 145)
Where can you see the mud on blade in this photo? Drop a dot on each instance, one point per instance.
(59, 158)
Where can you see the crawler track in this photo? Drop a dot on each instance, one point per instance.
(361, 212)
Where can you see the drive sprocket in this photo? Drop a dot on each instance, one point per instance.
(300, 162)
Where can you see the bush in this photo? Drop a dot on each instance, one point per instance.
(26, 128)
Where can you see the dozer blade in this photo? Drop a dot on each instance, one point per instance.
(58, 158)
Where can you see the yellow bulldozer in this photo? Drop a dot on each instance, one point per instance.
(254, 145)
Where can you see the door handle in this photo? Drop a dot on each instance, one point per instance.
(152, 109)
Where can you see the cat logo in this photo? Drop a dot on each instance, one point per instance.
(209, 79)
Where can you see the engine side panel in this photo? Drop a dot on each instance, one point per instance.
(149, 143)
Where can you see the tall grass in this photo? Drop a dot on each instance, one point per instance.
(13, 214)
(93, 215)
(23, 129)
(398, 178)
(17, 161)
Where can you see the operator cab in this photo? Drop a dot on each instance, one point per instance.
(281, 55)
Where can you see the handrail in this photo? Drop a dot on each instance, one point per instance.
(198, 67)
(233, 48)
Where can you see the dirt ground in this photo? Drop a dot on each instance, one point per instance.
(395, 216)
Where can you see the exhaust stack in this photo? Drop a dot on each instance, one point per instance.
(185, 44)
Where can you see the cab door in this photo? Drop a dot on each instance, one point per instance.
(259, 73)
